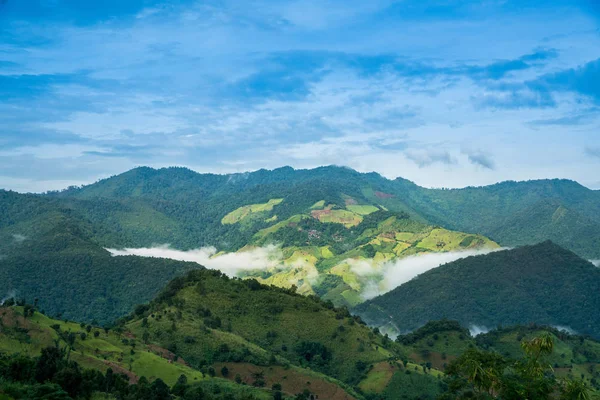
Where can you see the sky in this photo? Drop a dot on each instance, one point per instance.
(445, 93)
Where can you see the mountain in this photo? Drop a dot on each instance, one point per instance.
(72, 276)
(316, 241)
(206, 324)
(206, 317)
(445, 345)
(554, 209)
(542, 284)
(174, 348)
(515, 213)
(45, 358)
(337, 229)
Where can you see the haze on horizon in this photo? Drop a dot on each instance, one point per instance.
(448, 94)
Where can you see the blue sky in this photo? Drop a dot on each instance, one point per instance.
(446, 93)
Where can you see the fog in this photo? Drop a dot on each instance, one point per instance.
(567, 329)
(397, 272)
(379, 278)
(230, 263)
(19, 238)
(11, 295)
(478, 330)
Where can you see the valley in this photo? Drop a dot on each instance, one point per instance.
(296, 283)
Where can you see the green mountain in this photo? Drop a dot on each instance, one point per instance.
(542, 284)
(209, 337)
(45, 358)
(329, 222)
(209, 327)
(72, 276)
(447, 346)
(190, 206)
(515, 213)
(319, 240)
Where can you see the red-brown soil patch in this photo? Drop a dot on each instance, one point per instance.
(434, 358)
(317, 213)
(133, 378)
(383, 195)
(292, 381)
(11, 319)
(164, 353)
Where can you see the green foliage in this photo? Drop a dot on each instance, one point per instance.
(487, 375)
(502, 288)
(265, 326)
(74, 277)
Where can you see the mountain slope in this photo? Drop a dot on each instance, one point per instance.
(317, 237)
(208, 326)
(195, 204)
(132, 363)
(206, 317)
(549, 220)
(544, 284)
(493, 210)
(71, 275)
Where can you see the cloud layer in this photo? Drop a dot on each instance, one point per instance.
(228, 86)
(229, 263)
(400, 271)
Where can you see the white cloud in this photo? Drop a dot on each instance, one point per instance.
(595, 262)
(567, 329)
(11, 295)
(17, 237)
(402, 270)
(230, 263)
(478, 330)
(218, 44)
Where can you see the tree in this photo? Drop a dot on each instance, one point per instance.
(225, 371)
(48, 363)
(160, 390)
(574, 390)
(180, 386)
(259, 379)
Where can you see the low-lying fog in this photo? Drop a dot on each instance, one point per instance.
(379, 277)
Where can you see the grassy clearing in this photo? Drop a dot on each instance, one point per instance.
(272, 219)
(445, 240)
(319, 205)
(122, 353)
(378, 377)
(272, 229)
(344, 217)
(244, 212)
(362, 209)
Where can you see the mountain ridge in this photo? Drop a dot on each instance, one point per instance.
(543, 283)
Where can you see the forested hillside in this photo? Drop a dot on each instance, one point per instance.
(324, 220)
(70, 275)
(542, 284)
(558, 210)
(44, 358)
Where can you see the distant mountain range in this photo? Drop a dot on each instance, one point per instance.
(338, 230)
(302, 244)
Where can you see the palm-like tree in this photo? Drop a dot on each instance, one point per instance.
(574, 390)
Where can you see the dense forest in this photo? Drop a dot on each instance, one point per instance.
(533, 284)
(178, 206)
